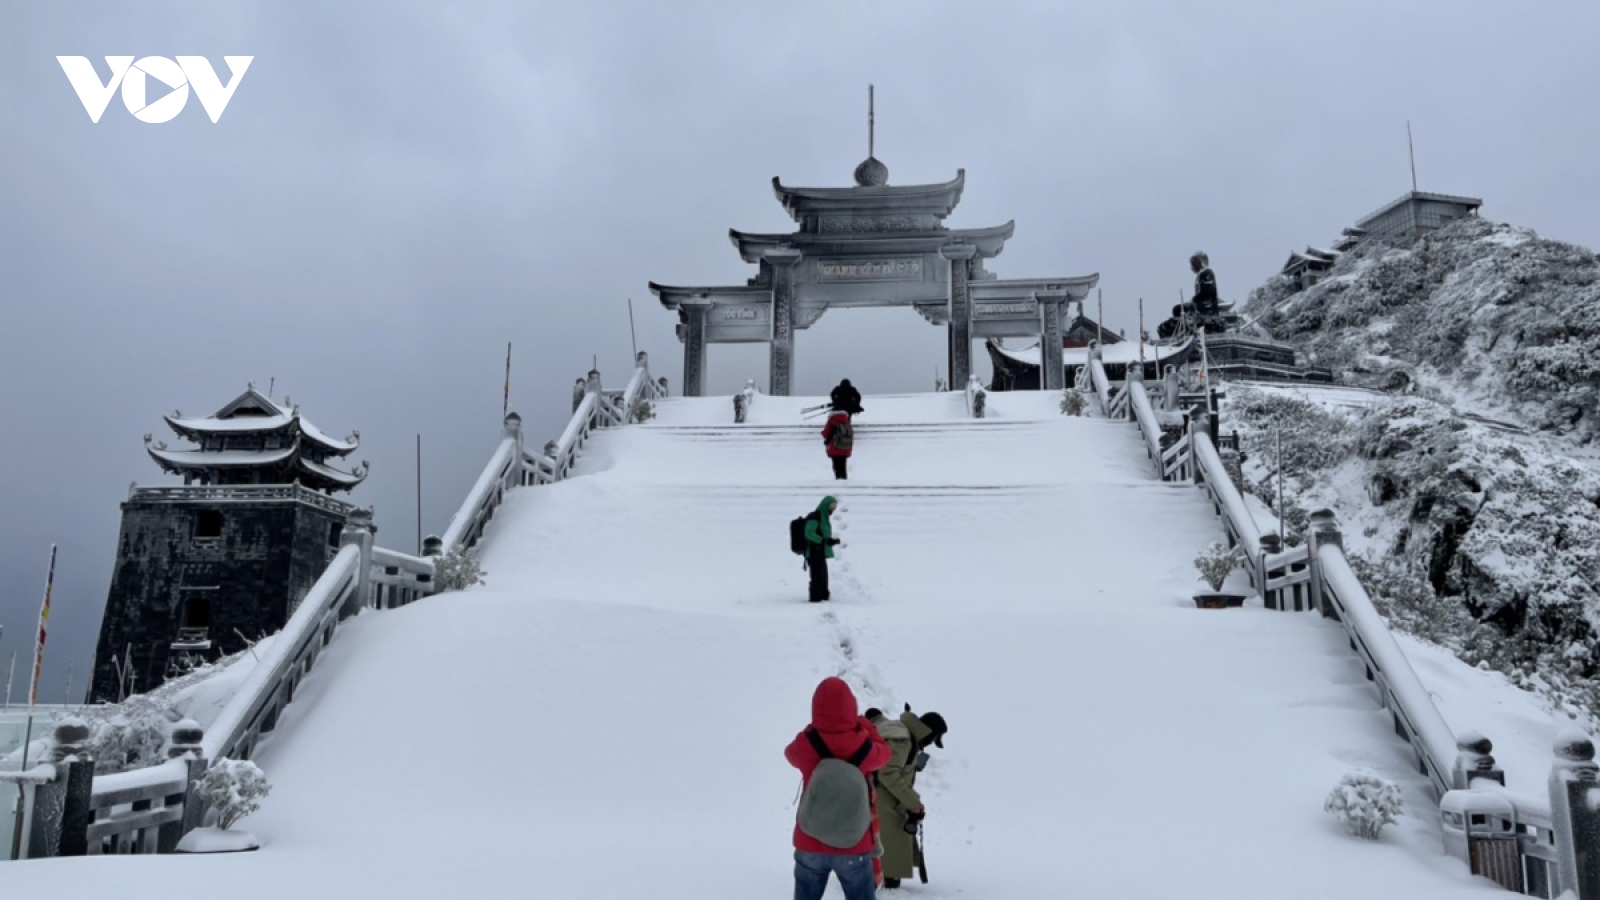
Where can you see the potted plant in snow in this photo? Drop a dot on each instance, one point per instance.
(1214, 563)
(233, 788)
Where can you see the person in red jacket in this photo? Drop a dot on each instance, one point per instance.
(844, 732)
(838, 435)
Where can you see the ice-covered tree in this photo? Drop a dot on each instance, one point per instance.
(457, 570)
(1215, 562)
(644, 410)
(234, 788)
(1365, 802)
(1072, 402)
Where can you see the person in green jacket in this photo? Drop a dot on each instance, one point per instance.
(899, 805)
(819, 547)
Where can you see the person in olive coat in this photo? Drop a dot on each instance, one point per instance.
(899, 804)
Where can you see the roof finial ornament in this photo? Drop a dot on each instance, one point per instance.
(871, 172)
(872, 119)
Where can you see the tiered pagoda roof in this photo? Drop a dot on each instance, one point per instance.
(256, 440)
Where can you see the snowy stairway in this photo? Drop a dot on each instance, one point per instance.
(606, 717)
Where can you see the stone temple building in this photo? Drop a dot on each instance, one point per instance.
(225, 558)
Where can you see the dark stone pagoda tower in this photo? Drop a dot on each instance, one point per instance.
(228, 555)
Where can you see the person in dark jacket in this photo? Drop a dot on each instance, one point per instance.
(845, 398)
(844, 733)
(839, 437)
(819, 547)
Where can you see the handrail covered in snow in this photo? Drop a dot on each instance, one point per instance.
(1523, 842)
(149, 810)
(1100, 383)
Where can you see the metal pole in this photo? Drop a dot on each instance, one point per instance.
(10, 674)
(633, 336)
(505, 401)
(420, 490)
(1411, 149)
(1100, 317)
(1282, 511)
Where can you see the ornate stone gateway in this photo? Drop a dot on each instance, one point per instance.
(871, 245)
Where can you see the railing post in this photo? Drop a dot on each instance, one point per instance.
(1197, 425)
(1271, 545)
(358, 531)
(1169, 388)
(433, 545)
(513, 430)
(184, 742)
(1322, 530)
(1573, 787)
(1474, 761)
(59, 825)
(578, 390)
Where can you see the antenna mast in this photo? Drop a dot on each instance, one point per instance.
(1411, 148)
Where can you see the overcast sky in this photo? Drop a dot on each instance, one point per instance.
(398, 189)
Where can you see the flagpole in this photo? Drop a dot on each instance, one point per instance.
(11, 673)
(505, 401)
(1141, 337)
(38, 657)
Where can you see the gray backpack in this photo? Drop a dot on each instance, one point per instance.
(834, 807)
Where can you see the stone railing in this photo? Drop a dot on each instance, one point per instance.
(239, 493)
(977, 398)
(1542, 846)
(742, 402)
(71, 812)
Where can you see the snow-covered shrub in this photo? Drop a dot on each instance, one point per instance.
(1365, 802)
(234, 788)
(1215, 562)
(129, 735)
(457, 570)
(643, 410)
(1072, 402)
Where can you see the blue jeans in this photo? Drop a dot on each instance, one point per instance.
(811, 875)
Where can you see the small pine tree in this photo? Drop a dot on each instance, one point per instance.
(1365, 802)
(644, 410)
(234, 788)
(1216, 562)
(457, 570)
(1072, 402)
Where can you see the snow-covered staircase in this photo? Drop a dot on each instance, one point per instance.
(606, 718)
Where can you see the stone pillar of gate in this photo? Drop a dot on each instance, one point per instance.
(960, 256)
(781, 368)
(693, 332)
(1050, 342)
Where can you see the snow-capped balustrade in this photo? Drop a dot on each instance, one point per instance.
(511, 465)
(239, 493)
(398, 578)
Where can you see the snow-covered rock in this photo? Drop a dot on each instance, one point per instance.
(1466, 481)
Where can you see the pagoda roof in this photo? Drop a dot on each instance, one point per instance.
(936, 199)
(286, 465)
(672, 297)
(180, 461)
(989, 241)
(255, 413)
(1121, 353)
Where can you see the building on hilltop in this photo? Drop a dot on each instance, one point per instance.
(1412, 215)
(225, 558)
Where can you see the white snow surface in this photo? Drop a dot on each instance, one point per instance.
(606, 718)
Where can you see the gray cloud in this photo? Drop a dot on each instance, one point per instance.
(398, 189)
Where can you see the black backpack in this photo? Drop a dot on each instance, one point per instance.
(797, 534)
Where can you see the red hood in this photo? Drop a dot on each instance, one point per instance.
(833, 706)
